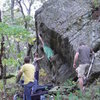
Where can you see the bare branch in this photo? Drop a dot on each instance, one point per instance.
(30, 5)
(25, 5)
(21, 8)
(0, 16)
(12, 10)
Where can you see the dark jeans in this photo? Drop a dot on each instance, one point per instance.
(37, 76)
(27, 91)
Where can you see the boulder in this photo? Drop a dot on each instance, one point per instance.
(63, 25)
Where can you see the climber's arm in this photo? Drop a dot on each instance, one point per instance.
(41, 39)
(75, 59)
(39, 58)
(19, 76)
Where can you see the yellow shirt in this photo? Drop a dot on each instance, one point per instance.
(28, 71)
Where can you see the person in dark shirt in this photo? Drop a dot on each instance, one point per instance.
(83, 55)
(36, 64)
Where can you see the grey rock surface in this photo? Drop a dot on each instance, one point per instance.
(63, 25)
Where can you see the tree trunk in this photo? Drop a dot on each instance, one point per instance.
(1, 53)
(18, 47)
(3, 69)
(12, 10)
(4, 82)
(0, 16)
(21, 8)
(37, 36)
(29, 49)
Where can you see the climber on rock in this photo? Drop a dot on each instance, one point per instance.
(83, 55)
(50, 55)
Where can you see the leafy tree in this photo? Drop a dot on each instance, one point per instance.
(17, 33)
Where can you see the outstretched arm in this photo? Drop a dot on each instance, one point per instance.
(18, 76)
(75, 59)
(41, 39)
(37, 59)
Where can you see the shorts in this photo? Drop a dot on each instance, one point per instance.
(81, 69)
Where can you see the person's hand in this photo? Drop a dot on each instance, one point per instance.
(74, 65)
(39, 35)
(42, 56)
(17, 80)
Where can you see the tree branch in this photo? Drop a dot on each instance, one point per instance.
(28, 8)
(21, 8)
(12, 10)
(0, 16)
(25, 5)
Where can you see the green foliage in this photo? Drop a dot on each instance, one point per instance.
(96, 4)
(72, 97)
(12, 30)
(10, 62)
(28, 18)
(42, 73)
(90, 92)
(17, 33)
(19, 21)
(31, 39)
(58, 96)
(14, 61)
(69, 82)
(1, 85)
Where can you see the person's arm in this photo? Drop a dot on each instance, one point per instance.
(75, 59)
(41, 39)
(19, 76)
(37, 59)
(92, 53)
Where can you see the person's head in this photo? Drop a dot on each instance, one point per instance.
(35, 54)
(27, 59)
(81, 43)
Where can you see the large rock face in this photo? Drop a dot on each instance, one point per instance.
(63, 25)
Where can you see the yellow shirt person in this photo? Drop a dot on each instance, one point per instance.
(28, 70)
